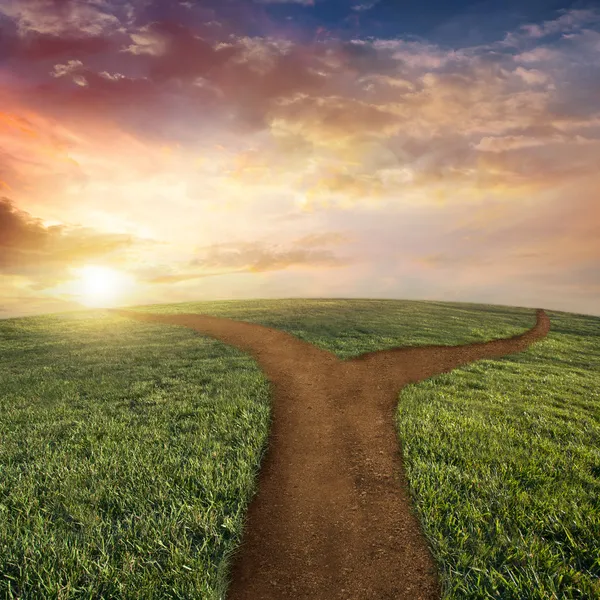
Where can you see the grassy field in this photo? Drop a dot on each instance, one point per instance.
(129, 451)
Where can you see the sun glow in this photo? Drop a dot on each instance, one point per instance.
(99, 286)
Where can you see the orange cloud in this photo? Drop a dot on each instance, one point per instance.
(28, 247)
(307, 252)
(333, 121)
(179, 278)
(260, 256)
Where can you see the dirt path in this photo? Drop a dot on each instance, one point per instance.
(332, 516)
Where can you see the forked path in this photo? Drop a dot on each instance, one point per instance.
(332, 517)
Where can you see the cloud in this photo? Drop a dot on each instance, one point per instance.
(516, 142)
(308, 252)
(532, 76)
(261, 256)
(260, 74)
(56, 17)
(28, 247)
(70, 67)
(182, 277)
(334, 119)
(568, 21)
(442, 111)
(539, 54)
(177, 51)
(244, 75)
(346, 187)
(365, 6)
(146, 41)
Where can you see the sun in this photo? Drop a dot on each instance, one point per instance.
(100, 286)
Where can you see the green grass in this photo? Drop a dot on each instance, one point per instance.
(129, 451)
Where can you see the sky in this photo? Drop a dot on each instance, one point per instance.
(155, 152)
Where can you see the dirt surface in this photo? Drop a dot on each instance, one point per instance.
(332, 517)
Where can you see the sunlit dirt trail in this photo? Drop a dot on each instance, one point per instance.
(332, 516)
